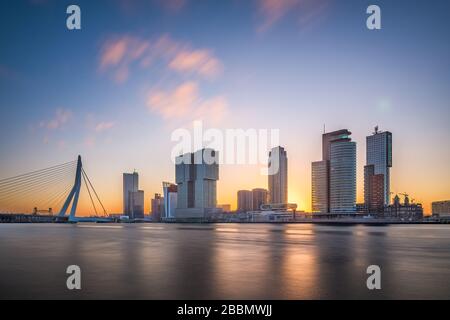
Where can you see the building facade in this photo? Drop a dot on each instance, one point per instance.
(404, 211)
(136, 200)
(333, 179)
(374, 201)
(379, 155)
(440, 207)
(320, 186)
(157, 207)
(278, 176)
(244, 201)
(225, 207)
(196, 177)
(259, 197)
(170, 191)
(130, 184)
(342, 176)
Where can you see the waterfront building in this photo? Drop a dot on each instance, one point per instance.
(157, 207)
(333, 180)
(379, 156)
(196, 177)
(259, 198)
(130, 184)
(170, 200)
(319, 187)
(244, 201)
(406, 211)
(342, 175)
(136, 200)
(225, 207)
(373, 190)
(440, 207)
(278, 175)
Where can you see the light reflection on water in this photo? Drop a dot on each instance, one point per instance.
(224, 261)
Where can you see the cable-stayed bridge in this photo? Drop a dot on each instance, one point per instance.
(53, 191)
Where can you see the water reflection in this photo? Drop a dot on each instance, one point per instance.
(224, 261)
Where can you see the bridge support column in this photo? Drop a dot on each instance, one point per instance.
(73, 195)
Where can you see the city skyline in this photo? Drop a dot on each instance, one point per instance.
(93, 93)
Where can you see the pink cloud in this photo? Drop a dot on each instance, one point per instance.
(61, 118)
(199, 61)
(274, 10)
(185, 103)
(121, 54)
(103, 126)
(306, 11)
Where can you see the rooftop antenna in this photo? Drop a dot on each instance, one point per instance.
(324, 128)
(376, 129)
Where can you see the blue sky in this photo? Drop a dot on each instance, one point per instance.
(294, 65)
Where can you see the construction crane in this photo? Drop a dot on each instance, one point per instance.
(406, 197)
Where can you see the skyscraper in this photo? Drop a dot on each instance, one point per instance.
(244, 200)
(157, 206)
(373, 190)
(259, 197)
(196, 177)
(343, 176)
(379, 155)
(136, 200)
(320, 186)
(278, 176)
(130, 184)
(333, 180)
(170, 200)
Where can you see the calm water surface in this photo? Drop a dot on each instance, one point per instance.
(224, 261)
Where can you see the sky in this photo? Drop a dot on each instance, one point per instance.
(115, 90)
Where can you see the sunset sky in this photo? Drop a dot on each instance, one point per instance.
(115, 90)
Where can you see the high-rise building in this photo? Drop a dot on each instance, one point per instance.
(343, 175)
(379, 155)
(157, 207)
(136, 200)
(170, 200)
(333, 180)
(329, 137)
(244, 200)
(259, 197)
(278, 176)
(320, 186)
(373, 190)
(130, 184)
(196, 176)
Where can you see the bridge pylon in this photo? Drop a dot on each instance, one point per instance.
(73, 195)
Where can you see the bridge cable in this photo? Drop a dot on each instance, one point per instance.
(90, 196)
(95, 192)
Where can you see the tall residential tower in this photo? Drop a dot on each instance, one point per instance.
(378, 164)
(278, 176)
(333, 178)
(196, 177)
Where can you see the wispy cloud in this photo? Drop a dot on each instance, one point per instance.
(61, 117)
(274, 10)
(119, 54)
(305, 11)
(184, 103)
(202, 62)
(103, 126)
